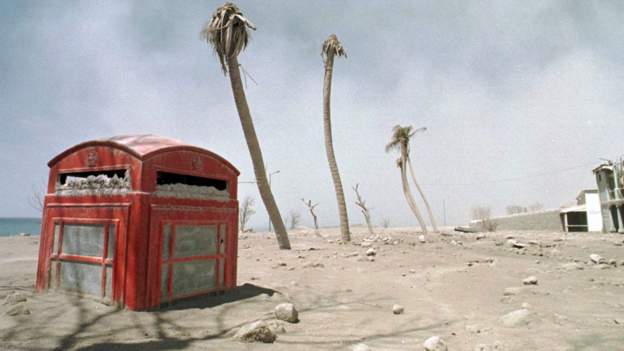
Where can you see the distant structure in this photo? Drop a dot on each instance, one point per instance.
(586, 216)
(547, 219)
(609, 178)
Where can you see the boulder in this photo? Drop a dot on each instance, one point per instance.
(361, 347)
(286, 312)
(435, 343)
(597, 259)
(532, 280)
(516, 318)
(15, 298)
(397, 309)
(371, 252)
(258, 331)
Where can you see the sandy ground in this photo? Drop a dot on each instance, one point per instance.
(452, 286)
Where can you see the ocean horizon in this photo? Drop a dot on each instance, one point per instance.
(11, 226)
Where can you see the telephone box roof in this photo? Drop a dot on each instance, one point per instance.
(141, 146)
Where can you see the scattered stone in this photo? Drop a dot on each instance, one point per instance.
(422, 239)
(313, 265)
(258, 331)
(473, 328)
(397, 309)
(513, 243)
(602, 266)
(370, 258)
(532, 280)
(613, 262)
(525, 305)
(361, 347)
(287, 312)
(366, 244)
(572, 266)
(435, 343)
(352, 254)
(412, 270)
(597, 259)
(15, 298)
(277, 327)
(533, 242)
(17, 310)
(515, 318)
(482, 347)
(24, 234)
(371, 252)
(480, 236)
(282, 264)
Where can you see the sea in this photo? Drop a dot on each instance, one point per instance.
(15, 226)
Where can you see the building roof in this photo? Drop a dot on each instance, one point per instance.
(578, 208)
(141, 146)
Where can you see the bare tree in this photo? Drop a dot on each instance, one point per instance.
(227, 34)
(294, 218)
(363, 208)
(385, 222)
(536, 206)
(35, 201)
(515, 209)
(311, 208)
(484, 218)
(245, 212)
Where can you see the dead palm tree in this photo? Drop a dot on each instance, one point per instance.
(400, 141)
(227, 34)
(332, 48)
(422, 194)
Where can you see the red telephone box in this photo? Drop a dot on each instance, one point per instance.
(139, 220)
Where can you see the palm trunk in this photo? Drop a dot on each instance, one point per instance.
(368, 223)
(410, 199)
(256, 154)
(329, 148)
(422, 195)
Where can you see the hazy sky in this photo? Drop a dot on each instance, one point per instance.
(520, 98)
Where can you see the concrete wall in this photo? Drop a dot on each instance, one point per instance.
(542, 220)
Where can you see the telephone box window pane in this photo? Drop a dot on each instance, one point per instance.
(192, 277)
(81, 277)
(83, 239)
(165, 241)
(55, 238)
(53, 275)
(108, 293)
(164, 283)
(221, 272)
(112, 239)
(223, 234)
(199, 240)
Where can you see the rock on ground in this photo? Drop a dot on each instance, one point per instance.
(258, 331)
(596, 258)
(435, 343)
(532, 280)
(397, 309)
(361, 347)
(15, 298)
(286, 312)
(515, 318)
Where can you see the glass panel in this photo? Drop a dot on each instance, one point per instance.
(109, 283)
(223, 233)
(194, 276)
(165, 241)
(199, 240)
(55, 238)
(164, 290)
(112, 239)
(82, 277)
(221, 272)
(53, 276)
(83, 239)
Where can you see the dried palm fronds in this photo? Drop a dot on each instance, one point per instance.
(332, 47)
(227, 33)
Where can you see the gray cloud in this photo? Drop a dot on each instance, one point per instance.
(507, 90)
